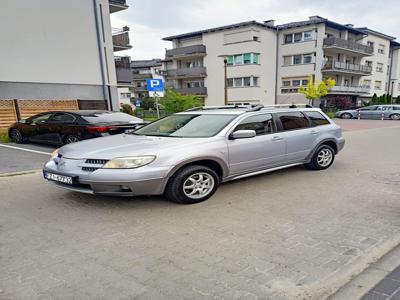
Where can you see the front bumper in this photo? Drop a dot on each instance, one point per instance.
(145, 180)
(340, 144)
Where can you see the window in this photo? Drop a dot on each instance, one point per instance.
(39, 119)
(378, 85)
(368, 63)
(304, 82)
(286, 83)
(261, 124)
(247, 81)
(60, 117)
(255, 81)
(289, 91)
(296, 82)
(369, 43)
(287, 60)
(298, 37)
(367, 83)
(307, 35)
(125, 95)
(381, 49)
(256, 38)
(255, 58)
(307, 58)
(247, 58)
(379, 67)
(243, 81)
(230, 82)
(238, 82)
(238, 59)
(288, 38)
(297, 59)
(229, 60)
(293, 120)
(316, 118)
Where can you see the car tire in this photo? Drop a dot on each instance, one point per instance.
(16, 136)
(346, 116)
(395, 117)
(69, 139)
(322, 159)
(200, 181)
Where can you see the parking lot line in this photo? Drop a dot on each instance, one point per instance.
(24, 149)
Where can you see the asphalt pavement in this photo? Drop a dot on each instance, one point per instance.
(291, 234)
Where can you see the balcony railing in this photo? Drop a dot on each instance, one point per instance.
(195, 50)
(187, 72)
(350, 89)
(141, 76)
(117, 5)
(121, 39)
(334, 42)
(346, 67)
(192, 90)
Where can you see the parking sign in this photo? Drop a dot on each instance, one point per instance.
(155, 85)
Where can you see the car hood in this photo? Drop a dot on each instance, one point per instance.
(121, 145)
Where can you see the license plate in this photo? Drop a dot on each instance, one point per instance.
(59, 178)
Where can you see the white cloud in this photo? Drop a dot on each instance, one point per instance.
(150, 21)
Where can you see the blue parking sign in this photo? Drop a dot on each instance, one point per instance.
(155, 85)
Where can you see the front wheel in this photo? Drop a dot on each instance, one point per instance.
(346, 116)
(192, 184)
(322, 159)
(69, 139)
(395, 117)
(16, 136)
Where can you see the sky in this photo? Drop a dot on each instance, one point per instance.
(151, 20)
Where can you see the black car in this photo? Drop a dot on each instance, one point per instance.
(64, 127)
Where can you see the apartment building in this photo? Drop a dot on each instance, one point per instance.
(142, 70)
(60, 50)
(195, 65)
(267, 63)
(394, 77)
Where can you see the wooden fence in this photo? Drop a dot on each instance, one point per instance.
(12, 110)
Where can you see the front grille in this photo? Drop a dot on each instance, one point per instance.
(92, 165)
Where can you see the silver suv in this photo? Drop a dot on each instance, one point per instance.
(187, 155)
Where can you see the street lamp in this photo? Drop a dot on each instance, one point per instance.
(224, 56)
(391, 93)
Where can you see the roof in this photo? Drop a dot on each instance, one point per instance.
(367, 30)
(394, 44)
(156, 62)
(242, 110)
(320, 20)
(216, 29)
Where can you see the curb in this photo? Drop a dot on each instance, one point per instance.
(20, 173)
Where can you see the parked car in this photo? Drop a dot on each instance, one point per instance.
(187, 155)
(390, 112)
(65, 127)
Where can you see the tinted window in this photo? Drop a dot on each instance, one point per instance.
(369, 108)
(261, 124)
(110, 117)
(40, 118)
(60, 117)
(187, 125)
(396, 107)
(293, 120)
(316, 118)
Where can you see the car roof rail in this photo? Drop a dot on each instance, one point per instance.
(233, 106)
(255, 108)
(293, 105)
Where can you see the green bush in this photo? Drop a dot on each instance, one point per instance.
(330, 114)
(4, 136)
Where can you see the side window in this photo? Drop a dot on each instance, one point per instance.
(60, 117)
(293, 120)
(261, 124)
(41, 118)
(316, 118)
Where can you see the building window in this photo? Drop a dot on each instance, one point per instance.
(298, 37)
(378, 85)
(367, 83)
(307, 58)
(379, 67)
(296, 82)
(304, 82)
(292, 85)
(368, 63)
(307, 35)
(369, 43)
(256, 38)
(125, 95)
(298, 59)
(286, 83)
(248, 81)
(288, 38)
(240, 59)
(381, 49)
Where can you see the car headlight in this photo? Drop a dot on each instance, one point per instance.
(54, 154)
(129, 162)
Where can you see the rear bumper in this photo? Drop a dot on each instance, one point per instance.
(340, 144)
(134, 182)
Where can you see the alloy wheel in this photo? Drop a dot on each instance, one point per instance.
(346, 116)
(395, 117)
(325, 157)
(71, 139)
(198, 185)
(16, 136)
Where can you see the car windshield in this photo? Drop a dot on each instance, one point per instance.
(110, 117)
(187, 126)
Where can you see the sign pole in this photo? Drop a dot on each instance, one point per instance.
(157, 108)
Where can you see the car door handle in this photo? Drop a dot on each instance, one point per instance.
(314, 132)
(277, 138)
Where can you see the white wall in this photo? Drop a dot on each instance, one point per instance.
(395, 77)
(215, 45)
(52, 41)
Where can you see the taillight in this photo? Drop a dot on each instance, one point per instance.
(98, 129)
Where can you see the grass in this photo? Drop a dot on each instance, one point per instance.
(4, 135)
(330, 114)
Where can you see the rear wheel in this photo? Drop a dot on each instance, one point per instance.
(192, 184)
(346, 116)
(395, 117)
(16, 136)
(322, 158)
(69, 139)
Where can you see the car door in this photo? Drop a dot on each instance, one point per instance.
(37, 127)
(266, 149)
(60, 125)
(369, 112)
(295, 129)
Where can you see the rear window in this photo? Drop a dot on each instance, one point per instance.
(111, 117)
(293, 120)
(316, 118)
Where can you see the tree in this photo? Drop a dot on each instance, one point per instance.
(398, 100)
(148, 103)
(173, 102)
(315, 90)
(374, 99)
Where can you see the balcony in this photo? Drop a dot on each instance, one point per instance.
(189, 51)
(342, 67)
(341, 45)
(199, 91)
(187, 72)
(117, 5)
(123, 70)
(140, 88)
(121, 39)
(354, 90)
(137, 76)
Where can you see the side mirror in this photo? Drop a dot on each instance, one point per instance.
(243, 134)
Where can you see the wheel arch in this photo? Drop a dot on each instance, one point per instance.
(330, 142)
